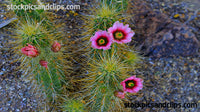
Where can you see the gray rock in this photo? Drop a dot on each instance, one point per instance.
(159, 36)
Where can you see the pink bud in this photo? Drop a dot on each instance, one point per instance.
(30, 51)
(43, 63)
(119, 94)
(55, 47)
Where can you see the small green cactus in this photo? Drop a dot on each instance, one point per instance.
(100, 19)
(120, 5)
(103, 79)
(50, 77)
(72, 105)
(38, 46)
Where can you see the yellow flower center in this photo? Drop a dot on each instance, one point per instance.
(130, 84)
(119, 35)
(101, 41)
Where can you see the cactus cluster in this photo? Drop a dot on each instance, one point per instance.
(110, 60)
(46, 58)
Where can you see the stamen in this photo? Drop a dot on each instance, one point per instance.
(119, 35)
(101, 41)
(130, 84)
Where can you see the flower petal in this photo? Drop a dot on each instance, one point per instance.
(119, 27)
(138, 84)
(99, 35)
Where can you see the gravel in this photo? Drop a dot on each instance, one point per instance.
(15, 96)
(169, 80)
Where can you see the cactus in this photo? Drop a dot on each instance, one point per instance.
(73, 105)
(51, 77)
(101, 18)
(38, 45)
(103, 79)
(105, 69)
(120, 5)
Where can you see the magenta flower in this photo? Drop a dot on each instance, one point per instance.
(43, 63)
(132, 84)
(30, 51)
(56, 46)
(120, 94)
(120, 33)
(101, 40)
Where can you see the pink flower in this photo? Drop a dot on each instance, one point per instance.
(132, 84)
(120, 33)
(101, 40)
(30, 51)
(55, 47)
(43, 63)
(119, 94)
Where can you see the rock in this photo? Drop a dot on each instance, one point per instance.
(159, 36)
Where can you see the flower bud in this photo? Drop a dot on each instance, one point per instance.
(30, 51)
(55, 47)
(43, 63)
(119, 94)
